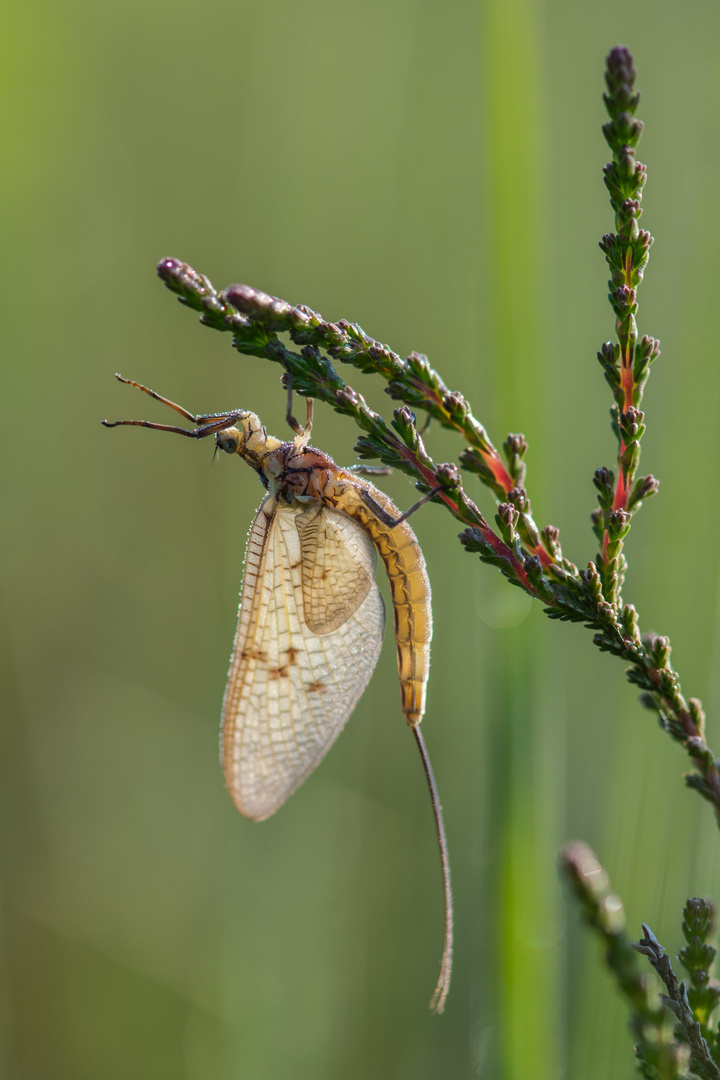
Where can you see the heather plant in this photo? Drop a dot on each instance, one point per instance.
(673, 1031)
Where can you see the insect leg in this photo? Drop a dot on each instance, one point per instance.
(302, 434)
(387, 520)
(362, 469)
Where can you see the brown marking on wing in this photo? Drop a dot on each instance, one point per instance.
(255, 654)
(275, 729)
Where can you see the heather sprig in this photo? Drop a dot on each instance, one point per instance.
(689, 1030)
(256, 320)
(529, 557)
(672, 1035)
(697, 958)
(659, 1054)
(626, 364)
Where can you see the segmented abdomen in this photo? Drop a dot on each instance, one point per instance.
(409, 584)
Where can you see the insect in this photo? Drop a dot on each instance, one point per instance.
(311, 617)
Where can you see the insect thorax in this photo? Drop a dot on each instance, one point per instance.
(304, 476)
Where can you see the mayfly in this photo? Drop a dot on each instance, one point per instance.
(311, 617)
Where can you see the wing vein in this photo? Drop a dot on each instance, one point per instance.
(292, 687)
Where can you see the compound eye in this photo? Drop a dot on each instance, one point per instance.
(228, 440)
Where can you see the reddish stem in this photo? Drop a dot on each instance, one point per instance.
(545, 558)
(480, 523)
(628, 388)
(502, 476)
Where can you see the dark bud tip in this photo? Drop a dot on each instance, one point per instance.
(348, 396)
(404, 415)
(246, 299)
(454, 404)
(619, 519)
(448, 474)
(699, 914)
(168, 267)
(516, 444)
(508, 515)
(518, 497)
(620, 67)
(658, 648)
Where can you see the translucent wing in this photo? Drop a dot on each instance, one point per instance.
(309, 635)
(336, 575)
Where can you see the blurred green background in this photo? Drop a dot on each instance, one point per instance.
(434, 173)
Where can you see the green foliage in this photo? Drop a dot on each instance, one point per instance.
(697, 958)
